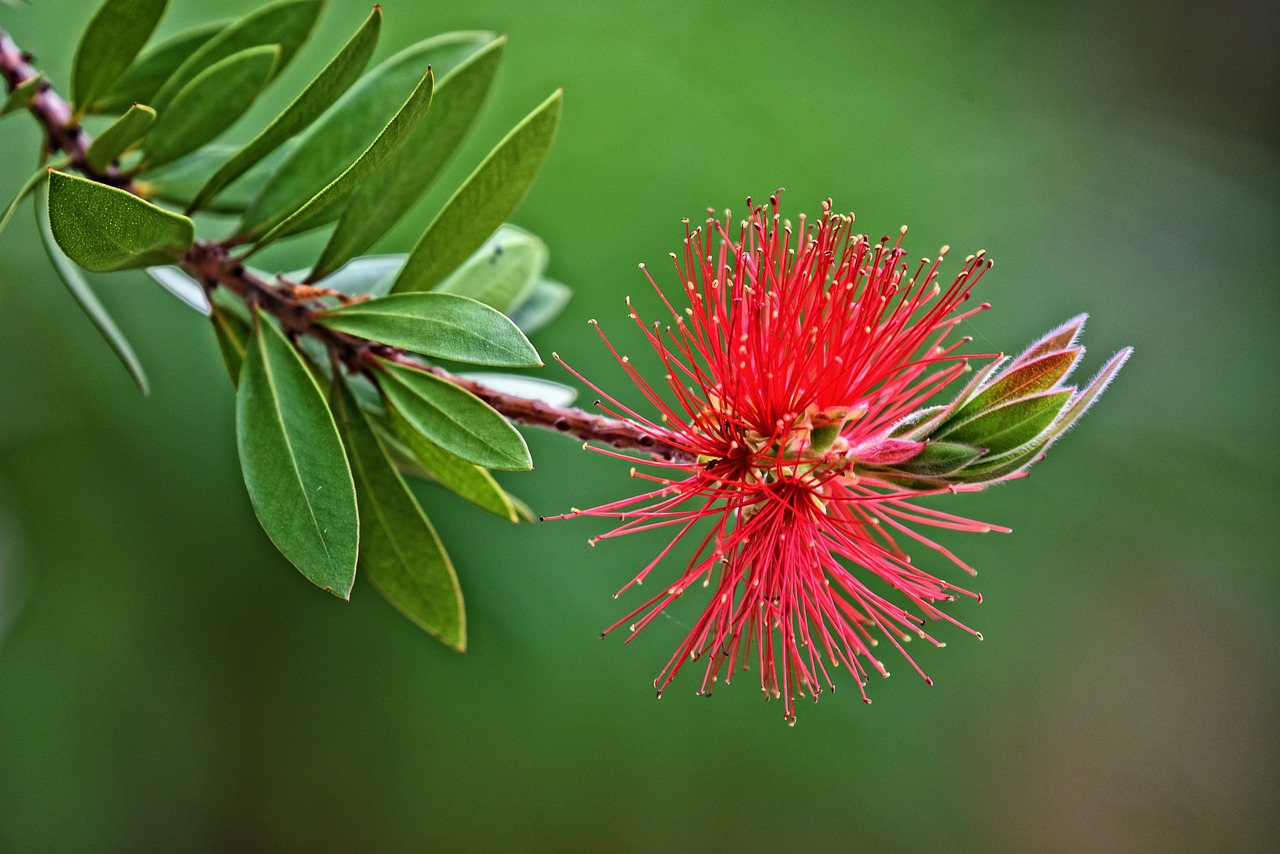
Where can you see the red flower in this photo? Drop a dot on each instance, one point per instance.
(792, 378)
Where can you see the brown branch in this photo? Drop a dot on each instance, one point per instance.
(212, 265)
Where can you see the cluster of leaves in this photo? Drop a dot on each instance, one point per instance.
(1004, 419)
(323, 444)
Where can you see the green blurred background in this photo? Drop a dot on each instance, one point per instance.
(168, 682)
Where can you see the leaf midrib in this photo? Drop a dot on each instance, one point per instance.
(275, 400)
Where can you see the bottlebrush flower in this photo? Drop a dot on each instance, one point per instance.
(791, 414)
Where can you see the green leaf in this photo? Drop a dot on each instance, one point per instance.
(521, 385)
(543, 304)
(1006, 427)
(144, 78)
(1022, 381)
(484, 202)
(233, 335)
(369, 274)
(37, 178)
(440, 325)
(177, 282)
(1061, 338)
(102, 228)
(908, 426)
(178, 182)
(124, 132)
(115, 34)
(466, 480)
(1081, 402)
(524, 513)
(502, 272)
(385, 196)
(210, 104)
(293, 463)
(1002, 465)
(287, 24)
(456, 420)
(399, 549)
(331, 144)
(921, 425)
(394, 135)
(329, 84)
(86, 298)
(22, 95)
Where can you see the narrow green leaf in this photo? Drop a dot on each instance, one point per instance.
(440, 325)
(1081, 402)
(122, 133)
(86, 298)
(908, 426)
(502, 272)
(1006, 427)
(466, 480)
(543, 304)
(524, 513)
(364, 276)
(1002, 465)
(399, 549)
(233, 335)
(521, 385)
(1025, 380)
(293, 463)
(115, 34)
(331, 144)
(22, 95)
(178, 182)
(484, 202)
(456, 420)
(102, 228)
(144, 78)
(287, 23)
(1061, 338)
(399, 129)
(177, 282)
(37, 178)
(922, 425)
(210, 104)
(329, 84)
(386, 195)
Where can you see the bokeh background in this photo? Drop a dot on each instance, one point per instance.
(168, 682)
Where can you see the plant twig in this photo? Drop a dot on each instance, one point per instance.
(212, 264)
